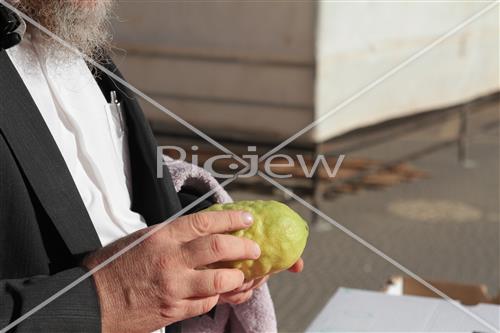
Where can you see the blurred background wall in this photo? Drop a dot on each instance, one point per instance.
(261, 71)
(358, 44)
(241, 70)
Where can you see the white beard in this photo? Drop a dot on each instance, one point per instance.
(82, 24)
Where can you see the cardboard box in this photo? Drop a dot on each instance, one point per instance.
(406, 306)
(467, 294)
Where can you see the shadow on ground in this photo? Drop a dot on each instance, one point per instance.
(445, 227)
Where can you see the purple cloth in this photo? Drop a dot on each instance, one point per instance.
(254, 316)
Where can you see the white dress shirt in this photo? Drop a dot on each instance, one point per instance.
(89, 134)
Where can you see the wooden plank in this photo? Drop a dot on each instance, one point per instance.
(225, 81)
(278, 30)
(253, 123)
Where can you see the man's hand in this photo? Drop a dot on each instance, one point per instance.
(156, 283)
(243, 293)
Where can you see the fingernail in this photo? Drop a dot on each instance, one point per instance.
(247, 218)
(256, 251)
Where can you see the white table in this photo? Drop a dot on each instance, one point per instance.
(353, 310)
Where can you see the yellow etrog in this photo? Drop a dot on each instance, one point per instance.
(280, 232)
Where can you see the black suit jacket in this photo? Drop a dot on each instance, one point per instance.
(45, 229)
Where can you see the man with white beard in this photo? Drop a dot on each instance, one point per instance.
(78, 184)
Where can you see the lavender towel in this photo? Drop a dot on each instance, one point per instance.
(254, 316)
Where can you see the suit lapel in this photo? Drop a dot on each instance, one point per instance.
(41, 161)
(45, 169)
(154, 198)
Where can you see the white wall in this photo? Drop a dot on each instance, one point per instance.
(359, 42)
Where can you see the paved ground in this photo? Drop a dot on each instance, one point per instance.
(445, 227)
